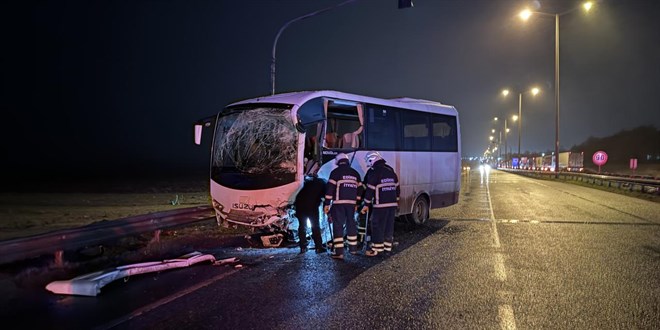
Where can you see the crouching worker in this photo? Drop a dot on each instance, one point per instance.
(382, 194)
(341, 199)
(307, 205)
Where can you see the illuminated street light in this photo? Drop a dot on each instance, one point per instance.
(534, 92)
(506, 131)
(525, 15)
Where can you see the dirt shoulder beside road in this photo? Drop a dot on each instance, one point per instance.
(40, 207)
(27, 214)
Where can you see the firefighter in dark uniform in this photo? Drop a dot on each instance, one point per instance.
(307, 205)
(341, 199)
(363, 232)
(382, 195)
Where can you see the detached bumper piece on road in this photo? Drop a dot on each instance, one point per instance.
(91, 284)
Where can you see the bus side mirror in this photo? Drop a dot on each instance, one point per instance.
(199, 127)
(198, 134)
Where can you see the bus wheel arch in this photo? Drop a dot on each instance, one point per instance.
(421, 209)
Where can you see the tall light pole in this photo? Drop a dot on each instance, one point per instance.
(499, 141)
(534, 91)
(402, 4)
(506, 131)
(524, 15)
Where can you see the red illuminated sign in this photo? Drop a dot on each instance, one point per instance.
(599, 158)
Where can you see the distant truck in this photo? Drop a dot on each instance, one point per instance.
(548, 163)
(538, 163)
(571, 161)
(525, 163)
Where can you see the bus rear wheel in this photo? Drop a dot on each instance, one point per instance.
(420, 211)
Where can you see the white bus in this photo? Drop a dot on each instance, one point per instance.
(263, 148)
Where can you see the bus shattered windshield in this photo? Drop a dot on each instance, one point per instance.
(254, 147)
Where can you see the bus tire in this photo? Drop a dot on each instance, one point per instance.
(420, 211)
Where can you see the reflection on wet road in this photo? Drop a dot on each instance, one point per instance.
(514, 253)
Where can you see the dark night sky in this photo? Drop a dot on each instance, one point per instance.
(114, 87)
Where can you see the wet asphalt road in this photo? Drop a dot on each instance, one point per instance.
(515, 253)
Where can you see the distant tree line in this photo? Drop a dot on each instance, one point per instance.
(642, 143)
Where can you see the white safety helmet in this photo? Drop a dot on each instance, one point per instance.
(371, 157)
(340, 157)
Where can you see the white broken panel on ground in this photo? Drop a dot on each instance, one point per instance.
(91, 284)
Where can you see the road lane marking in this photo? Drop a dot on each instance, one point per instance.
(505, 316)
(172, 297)
(496, 236)
(507, 320)
(573, 222)
(595, 202)
(165, 300)
(500, 271)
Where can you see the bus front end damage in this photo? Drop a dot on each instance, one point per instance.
(254, 169)
(269, 222)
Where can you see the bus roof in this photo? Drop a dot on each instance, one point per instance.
(298, 98)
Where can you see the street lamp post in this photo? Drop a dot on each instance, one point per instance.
(524, 15)
(519, 124)
(500, 143)
(402, 4)
(534, 91)
(506, 150)
(506, 131)
(277, 37)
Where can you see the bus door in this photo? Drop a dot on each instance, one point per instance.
(343, 128)
(311, 118)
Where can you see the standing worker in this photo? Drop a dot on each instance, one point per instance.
(364, 225)
(382, 195)
(307, 205)
(342, 192)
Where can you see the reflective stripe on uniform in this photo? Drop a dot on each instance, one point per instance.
(341, 188)
(377, 247)
(383, 185)
(378, 206)
(338, 242)
(344, 201)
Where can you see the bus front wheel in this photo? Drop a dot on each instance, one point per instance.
(420, 211)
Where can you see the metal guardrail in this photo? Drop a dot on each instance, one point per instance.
(97, 233)
(648, 186)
